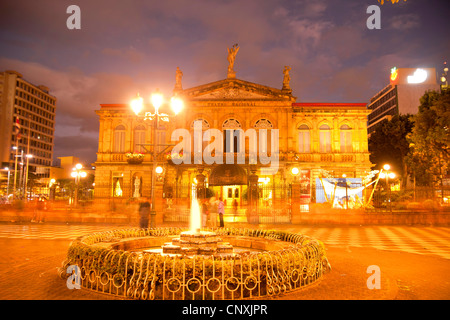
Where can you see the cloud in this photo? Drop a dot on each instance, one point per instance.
(78, 96)
(130, 54)
(308, 32)
(405, 22)
(135, 46)
(83, 147)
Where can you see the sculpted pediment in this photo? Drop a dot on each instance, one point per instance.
(230, 93)
(235, 89)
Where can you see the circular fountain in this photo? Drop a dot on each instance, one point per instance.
(195, 263)
(195, 241)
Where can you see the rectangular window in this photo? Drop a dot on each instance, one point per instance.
(325, 141)
(161, 138)
(346, 141)
(139, 139)
(119, 141)
(304, 142)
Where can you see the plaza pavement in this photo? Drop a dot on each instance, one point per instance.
(414, 261)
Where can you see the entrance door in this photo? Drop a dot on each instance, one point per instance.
(231, 193)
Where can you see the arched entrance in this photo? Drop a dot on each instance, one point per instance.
(228, 181)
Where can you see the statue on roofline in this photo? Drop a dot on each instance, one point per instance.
(286, 78)
(231, 57)
(178, 76)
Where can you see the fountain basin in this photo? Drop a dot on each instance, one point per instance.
(264, 263)
(197, 243)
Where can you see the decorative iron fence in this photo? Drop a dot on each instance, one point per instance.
(144, 275)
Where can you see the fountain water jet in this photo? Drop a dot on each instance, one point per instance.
(197, 241)
(195, 217)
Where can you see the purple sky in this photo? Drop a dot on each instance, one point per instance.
(125, 47)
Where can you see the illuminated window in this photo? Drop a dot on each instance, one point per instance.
(304, 139)
(117, 184)
(325, 138)
(346, 138)
(119, 139)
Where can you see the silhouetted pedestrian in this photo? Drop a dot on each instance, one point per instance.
(221, 210)
(144, 213)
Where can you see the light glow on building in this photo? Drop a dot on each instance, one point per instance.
(418, 76)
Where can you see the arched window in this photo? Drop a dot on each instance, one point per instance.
(232, 135)
(346, 138)
(304, 139)
(325, 138)
(263, 124)
(205, 123)
(264, 135)
(119, 139)
(139, 139)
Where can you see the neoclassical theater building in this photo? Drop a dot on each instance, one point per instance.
(296, 144)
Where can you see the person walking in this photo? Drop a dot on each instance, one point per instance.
(205, 213)
(144, 213)
(221, 211)
(235, 208)
(39, 210)
(213, 212)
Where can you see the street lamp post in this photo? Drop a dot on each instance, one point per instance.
(77, 174)
(387, 174)
(137, 105)
(28, 156)
(7, 187)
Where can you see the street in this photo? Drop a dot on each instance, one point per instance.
(413, 261)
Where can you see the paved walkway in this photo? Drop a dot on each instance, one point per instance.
(421, 240)
(414, 261)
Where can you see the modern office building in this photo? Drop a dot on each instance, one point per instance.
(402, 95)
(27, 121)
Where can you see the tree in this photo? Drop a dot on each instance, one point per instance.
(389, 144)
(430, 137)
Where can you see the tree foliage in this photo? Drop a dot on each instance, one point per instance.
(389, 144)
(430, 137)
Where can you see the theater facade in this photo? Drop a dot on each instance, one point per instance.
(302, 143)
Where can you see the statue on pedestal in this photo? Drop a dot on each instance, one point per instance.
(231, 57)
(137, 187)
(178, 76)
(286, 78)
